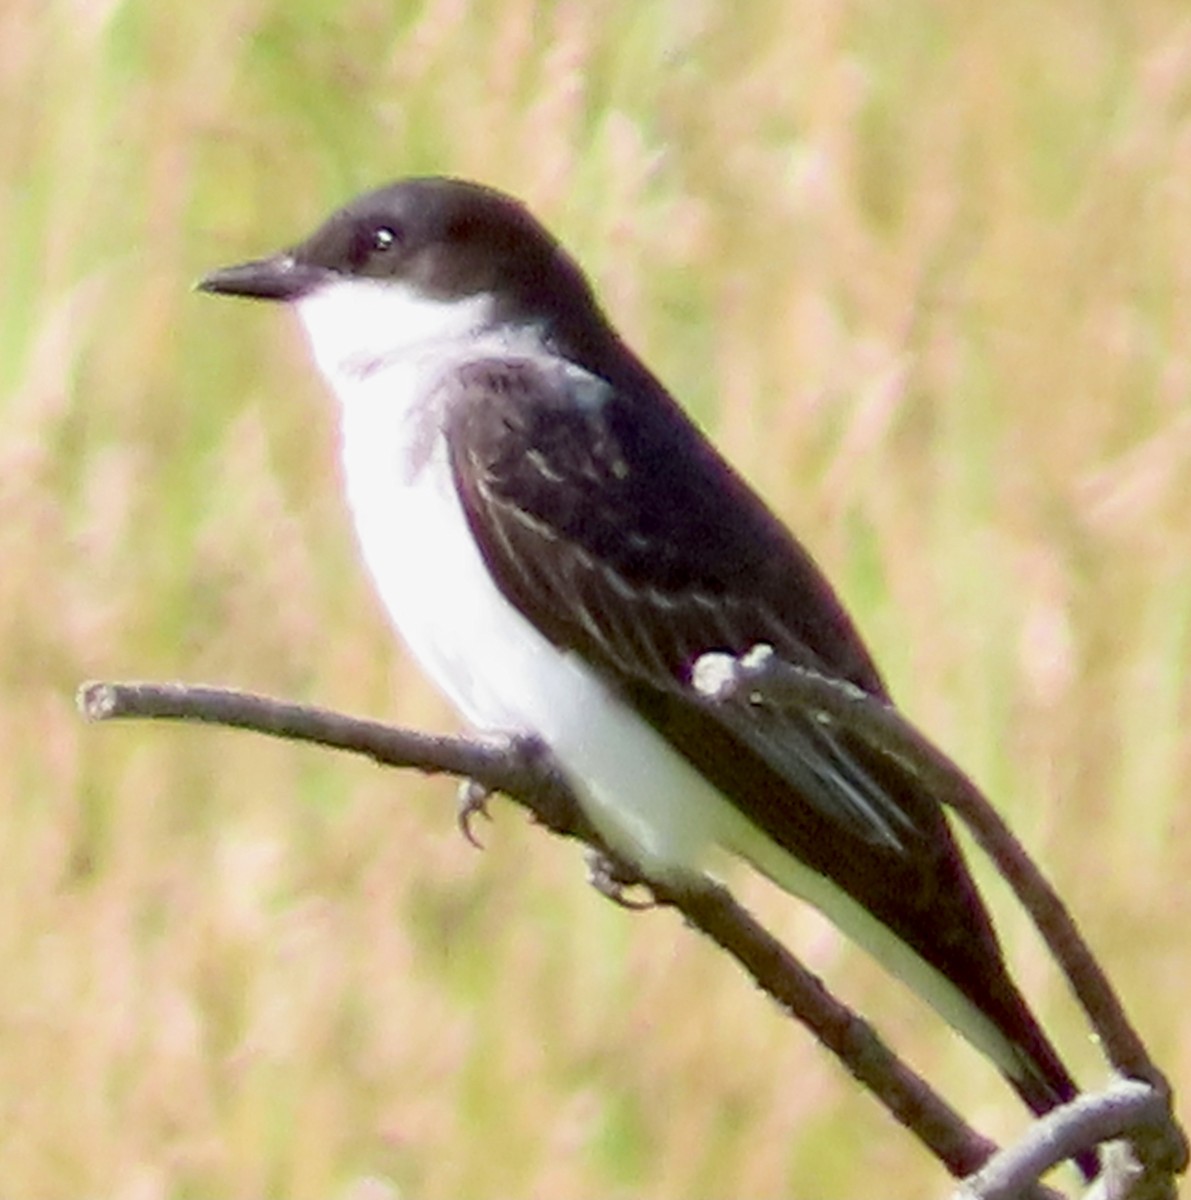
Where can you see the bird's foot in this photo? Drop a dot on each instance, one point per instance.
(471, 802)
(613, 879)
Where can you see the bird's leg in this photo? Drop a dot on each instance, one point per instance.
(612, 878)
(472, 801)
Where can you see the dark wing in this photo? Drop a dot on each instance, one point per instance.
(617, 530)
(621, 534)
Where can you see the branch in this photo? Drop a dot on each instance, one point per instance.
(522, 769)
(1121, 1110)
(760, 677)
(516, 766)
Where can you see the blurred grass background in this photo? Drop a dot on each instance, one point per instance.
(925, 271)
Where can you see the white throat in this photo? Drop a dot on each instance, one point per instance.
(356, 326)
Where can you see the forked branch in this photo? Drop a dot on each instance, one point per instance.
(523, 770)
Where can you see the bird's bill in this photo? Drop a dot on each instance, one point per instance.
(281, 277)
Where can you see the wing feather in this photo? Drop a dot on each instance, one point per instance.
(619, 533)
(563, 503)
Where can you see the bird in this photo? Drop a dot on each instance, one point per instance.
(559, 545)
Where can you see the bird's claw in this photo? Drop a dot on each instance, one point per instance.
(472, 801)
(613, 879)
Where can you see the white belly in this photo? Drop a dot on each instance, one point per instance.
(500, 672)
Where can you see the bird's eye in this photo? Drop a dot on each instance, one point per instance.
(384, 237)
(373, 246)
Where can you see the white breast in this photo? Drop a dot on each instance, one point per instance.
(495, 666)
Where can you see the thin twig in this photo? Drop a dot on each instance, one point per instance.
(523, 770)
(760, 677)
(711, 909)
(512, 765)
(1119, 1111)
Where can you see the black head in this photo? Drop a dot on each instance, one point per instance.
(446, 238)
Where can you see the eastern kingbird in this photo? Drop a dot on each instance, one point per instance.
(558, 544)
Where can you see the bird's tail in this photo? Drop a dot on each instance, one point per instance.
(964, 978)
(1039, 1077)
